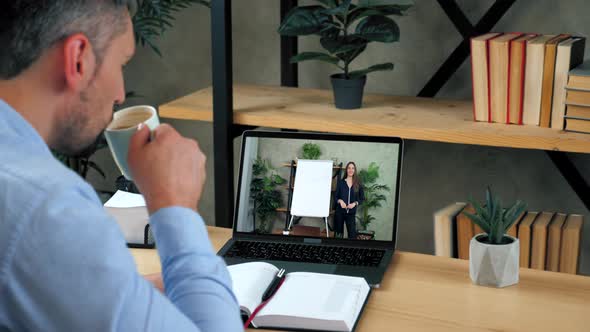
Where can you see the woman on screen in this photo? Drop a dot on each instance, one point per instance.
(349, 195)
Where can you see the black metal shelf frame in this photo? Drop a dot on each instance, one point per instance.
(224, 131)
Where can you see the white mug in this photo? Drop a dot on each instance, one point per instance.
(119, 132)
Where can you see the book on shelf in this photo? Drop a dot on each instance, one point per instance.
(570, 244)
(533, 85)
(445, 228)
(524, 236)
(578, 112)
(577, 125)
(306, 301)
(499, 60)
(577, 97)
(480, 72)
(554, 242)
(516, 77)
(465, 232)
(548, 76)
(579, 77)
(539, 240)
(570, 54)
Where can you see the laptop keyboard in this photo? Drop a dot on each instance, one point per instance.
(294, 252)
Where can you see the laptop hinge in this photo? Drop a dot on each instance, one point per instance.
(312, 240)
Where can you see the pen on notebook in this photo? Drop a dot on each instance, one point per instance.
(272, 288)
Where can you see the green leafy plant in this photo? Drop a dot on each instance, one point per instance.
(154, 17)
(345, 29)
(311, 151)
(263, 190)
(374, 195)
(494, 220)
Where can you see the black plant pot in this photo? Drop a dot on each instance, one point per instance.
(348, 93)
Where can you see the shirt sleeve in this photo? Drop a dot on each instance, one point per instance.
(71, 271)
(338, 191)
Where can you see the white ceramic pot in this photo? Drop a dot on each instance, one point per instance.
(494, 265)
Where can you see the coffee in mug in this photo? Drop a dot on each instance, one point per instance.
(119, 132)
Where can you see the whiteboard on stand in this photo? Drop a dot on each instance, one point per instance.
(312, 188)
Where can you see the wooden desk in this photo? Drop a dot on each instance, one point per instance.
(427, 293)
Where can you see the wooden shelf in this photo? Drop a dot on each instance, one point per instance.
(424, 119)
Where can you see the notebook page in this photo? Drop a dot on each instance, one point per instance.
(319, 296)
(250, 280)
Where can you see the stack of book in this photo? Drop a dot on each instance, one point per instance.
(577, 117)
(548, 241)
(521, 78)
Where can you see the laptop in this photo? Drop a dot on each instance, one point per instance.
(336, 236)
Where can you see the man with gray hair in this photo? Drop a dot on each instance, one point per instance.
(64, 265)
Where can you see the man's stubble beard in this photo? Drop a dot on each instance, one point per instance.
(76, 134)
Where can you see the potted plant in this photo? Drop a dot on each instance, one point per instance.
(311, 151)
(494, 255)
(267, 199)
(373, 198)
(345, 29)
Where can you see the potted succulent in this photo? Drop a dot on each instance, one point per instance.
(494, 255)
(345, 29)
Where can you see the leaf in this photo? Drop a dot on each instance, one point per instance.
(379, 67)
(378, 28)
(304, 20)
(376, 3)
(305, 56)
(479, 221)
(384, 10)
(340, 10)
(497, 223)
(328, 3)
(153, 17)
(517, 209)
(479, 210)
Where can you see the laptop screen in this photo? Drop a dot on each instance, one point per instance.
(318, 185)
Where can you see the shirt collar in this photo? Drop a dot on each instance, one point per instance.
(12, 121)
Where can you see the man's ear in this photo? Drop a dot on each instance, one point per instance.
(79, 61)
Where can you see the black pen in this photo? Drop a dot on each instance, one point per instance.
(274, 285)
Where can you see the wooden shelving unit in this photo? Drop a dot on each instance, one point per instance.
(235, 108)
(426, 119)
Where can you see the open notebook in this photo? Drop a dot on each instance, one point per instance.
(308, 301)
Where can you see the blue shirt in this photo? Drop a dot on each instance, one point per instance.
(64, 264)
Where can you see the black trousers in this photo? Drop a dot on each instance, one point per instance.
(340, 218)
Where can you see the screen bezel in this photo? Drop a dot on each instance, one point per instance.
(325, 137)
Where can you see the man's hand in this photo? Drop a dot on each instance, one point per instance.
(169, 170)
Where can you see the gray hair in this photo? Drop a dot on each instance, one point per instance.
(29, 27)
